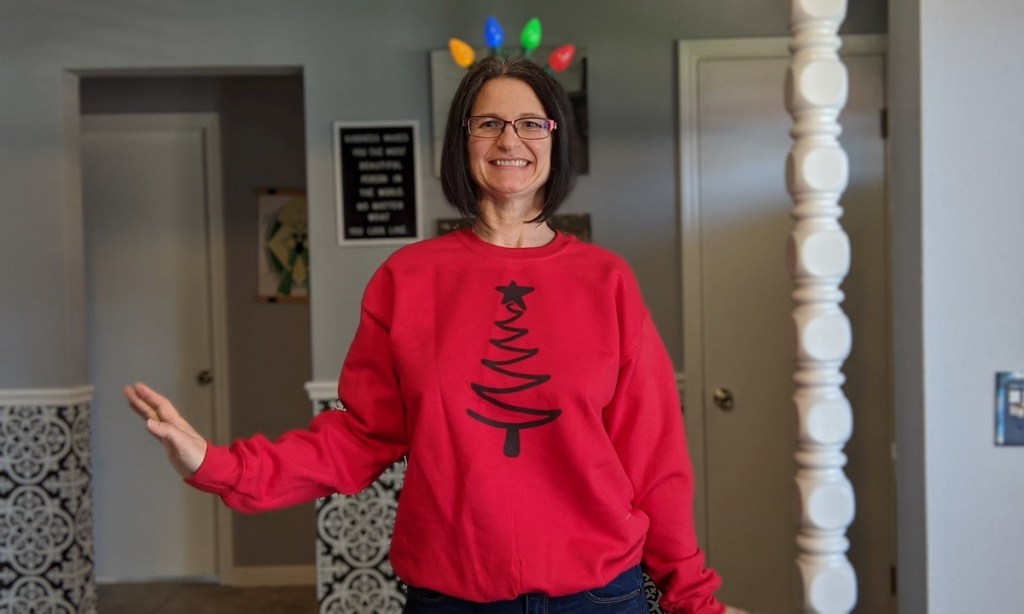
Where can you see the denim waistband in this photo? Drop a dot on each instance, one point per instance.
(623, 595)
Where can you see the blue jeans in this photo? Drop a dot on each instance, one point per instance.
(623, 595)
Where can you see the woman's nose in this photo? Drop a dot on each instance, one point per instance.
(508, 135)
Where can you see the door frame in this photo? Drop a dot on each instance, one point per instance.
(208, 124)
(691, 54)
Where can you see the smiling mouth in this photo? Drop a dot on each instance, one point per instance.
(510, 163)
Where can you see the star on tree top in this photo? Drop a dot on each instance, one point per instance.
(514, 293)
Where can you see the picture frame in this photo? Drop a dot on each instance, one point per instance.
(376, 182)
(282, 252)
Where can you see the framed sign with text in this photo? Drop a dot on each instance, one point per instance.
(376, 175)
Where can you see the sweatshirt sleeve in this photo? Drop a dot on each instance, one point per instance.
(645, 424)
(342, 451)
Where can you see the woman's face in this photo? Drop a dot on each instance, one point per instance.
(508, 167)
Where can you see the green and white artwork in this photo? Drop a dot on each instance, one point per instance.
(283, 246)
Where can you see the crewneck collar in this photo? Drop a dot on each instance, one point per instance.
(478, 245)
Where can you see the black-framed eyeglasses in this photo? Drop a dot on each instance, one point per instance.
(487, 127)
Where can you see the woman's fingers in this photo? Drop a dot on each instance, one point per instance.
(185, 447)
(151, 405)
(186, 450)
(138, 404)
(161, 407)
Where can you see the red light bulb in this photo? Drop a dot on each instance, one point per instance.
(561, 57)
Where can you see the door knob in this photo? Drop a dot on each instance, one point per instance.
(205, 377)
(723, 398)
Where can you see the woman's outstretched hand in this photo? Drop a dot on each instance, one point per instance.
(185, 447)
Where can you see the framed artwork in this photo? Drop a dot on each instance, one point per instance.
(282, 246)
(376, 175)
(1009, 408)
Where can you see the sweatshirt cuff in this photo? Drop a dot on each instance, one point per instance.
(218, 473)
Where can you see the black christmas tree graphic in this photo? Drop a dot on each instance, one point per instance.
(503, 412)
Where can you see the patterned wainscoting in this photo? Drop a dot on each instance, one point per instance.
(46, 537)
(354, 575)
(354, 534)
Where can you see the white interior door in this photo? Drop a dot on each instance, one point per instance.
(737, 307)
(145, 198)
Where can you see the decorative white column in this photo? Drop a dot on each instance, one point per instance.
(816, 175)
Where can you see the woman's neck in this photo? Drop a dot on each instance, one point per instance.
(536, 234)
(507, 225)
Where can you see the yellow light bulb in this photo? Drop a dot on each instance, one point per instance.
(461, 52)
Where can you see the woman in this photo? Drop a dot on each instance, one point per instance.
(519, 372)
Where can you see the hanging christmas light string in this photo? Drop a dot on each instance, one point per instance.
(529, 40)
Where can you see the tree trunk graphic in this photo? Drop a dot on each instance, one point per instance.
(503, 413)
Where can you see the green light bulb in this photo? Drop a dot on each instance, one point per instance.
(530, 38)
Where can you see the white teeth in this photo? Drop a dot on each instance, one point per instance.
(519, 163)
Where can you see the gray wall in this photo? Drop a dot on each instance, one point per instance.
(361, 61)
(264, 145)
(958, 89)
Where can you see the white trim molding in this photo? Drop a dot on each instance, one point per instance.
(322, 391)
(47, 396)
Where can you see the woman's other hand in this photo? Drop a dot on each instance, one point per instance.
(185, 447)
(731, 610)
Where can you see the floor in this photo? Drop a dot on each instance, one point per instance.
(185, 598)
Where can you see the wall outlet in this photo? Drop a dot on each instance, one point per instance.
(1010, 408)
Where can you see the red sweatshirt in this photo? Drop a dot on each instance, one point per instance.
(539, 412)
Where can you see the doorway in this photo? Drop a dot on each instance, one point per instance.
(262, 140)
(736, 221)
(151, 198)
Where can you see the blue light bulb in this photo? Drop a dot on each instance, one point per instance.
(493, 34)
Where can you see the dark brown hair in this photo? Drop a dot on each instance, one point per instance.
(456, 180)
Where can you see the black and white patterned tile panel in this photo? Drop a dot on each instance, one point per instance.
(46, 537)
(353, 539)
